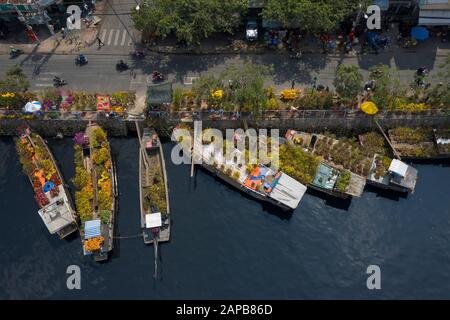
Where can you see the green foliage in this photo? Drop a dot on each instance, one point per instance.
(14, 81)
(202, 86)
(315, 100)
(343, 180)
(100, 155)
(191, 20)
(177, 97)
(246, 86)
(98, 137)
(83, 202)
(105, 216)
(297, 163)
(104, 200)
(311, 15)
(387, 86)
(348, 81)
(412, 135)
(81, 178)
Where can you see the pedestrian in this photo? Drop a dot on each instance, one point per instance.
(292, 84)
(100, 42)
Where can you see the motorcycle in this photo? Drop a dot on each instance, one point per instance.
(14, 53)
(138, 54)
(81, 60)
(121, 66)
(297, 55)
(58, 82)
(157, 76)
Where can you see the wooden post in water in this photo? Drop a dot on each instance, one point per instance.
(387, 139)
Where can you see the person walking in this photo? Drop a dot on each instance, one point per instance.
(100, 42)
(292, 84)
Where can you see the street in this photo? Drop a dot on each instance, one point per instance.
(101, 67)
(119, 38)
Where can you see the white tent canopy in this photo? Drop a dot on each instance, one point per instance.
(32, 106)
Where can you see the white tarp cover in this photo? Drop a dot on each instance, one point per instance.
(32, 106)
(288, 191)
(153, 220)
(398, 167)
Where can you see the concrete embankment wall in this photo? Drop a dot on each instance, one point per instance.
(332, 123)
(50, 128)
(335, 123)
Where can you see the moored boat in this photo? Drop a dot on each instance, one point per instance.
(95, 180)
(257, 180)
(153, 190)
(51, 194)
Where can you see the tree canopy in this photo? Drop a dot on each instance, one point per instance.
(246, 85)
(348, 81)
(311, 15)
(387, 86)
(189, 20)
(14, 81)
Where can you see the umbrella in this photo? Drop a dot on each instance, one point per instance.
(420, 33)
(33, 106)
(369, 107)
(48, 186)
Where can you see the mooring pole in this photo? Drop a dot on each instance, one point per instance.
(387, 139)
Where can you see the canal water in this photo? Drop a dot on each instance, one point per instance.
(225, 245)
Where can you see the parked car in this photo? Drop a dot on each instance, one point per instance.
(251, 32)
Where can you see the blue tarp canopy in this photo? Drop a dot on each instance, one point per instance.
(420, 33)
(92, 229)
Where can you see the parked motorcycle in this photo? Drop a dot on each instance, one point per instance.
(157, 76)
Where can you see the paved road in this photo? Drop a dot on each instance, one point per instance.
(100, 73)
(119, 38)
(117, 31)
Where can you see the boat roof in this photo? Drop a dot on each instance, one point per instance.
(288, 191)
(398, 167)
(57, 214)
(92, 228)
(153, 220)
(325, 177)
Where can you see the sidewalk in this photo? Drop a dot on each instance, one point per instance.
(73, 42)
(224, 44)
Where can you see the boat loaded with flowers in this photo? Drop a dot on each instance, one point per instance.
(51, 194)
(257, 180)
(95, 180)
(154, 196)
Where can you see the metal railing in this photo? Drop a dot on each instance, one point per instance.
(218, 115)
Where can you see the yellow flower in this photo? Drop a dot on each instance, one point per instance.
(217, 94)
(289, 94)
(369, 107)
(8, 95)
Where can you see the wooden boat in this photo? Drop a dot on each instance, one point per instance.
(51, 194)
(153, 191)
(96, 197)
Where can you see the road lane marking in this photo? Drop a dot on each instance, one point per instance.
(124, 37)
(43, 85)
(116, 41)
(111, 32)
(103, 37)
